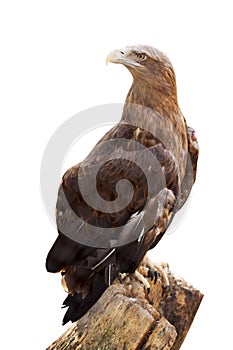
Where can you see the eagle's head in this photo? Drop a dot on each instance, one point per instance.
(151, 69)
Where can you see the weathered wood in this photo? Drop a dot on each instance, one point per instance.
(126, 317)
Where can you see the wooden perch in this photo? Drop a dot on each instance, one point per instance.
(126, 317)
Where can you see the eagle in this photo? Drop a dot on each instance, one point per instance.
(117, 203)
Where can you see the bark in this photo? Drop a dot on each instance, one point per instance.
(126, 317)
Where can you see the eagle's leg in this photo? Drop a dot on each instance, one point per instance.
(139, 276)
(150, 270)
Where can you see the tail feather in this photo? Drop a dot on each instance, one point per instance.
(77, 305)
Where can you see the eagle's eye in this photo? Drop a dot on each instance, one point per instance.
(140, 56)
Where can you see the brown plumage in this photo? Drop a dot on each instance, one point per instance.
(94, 245)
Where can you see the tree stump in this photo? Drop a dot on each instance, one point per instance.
(127, 317)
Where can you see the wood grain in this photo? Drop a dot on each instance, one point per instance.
(126, 317)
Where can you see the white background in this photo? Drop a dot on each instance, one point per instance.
(53, 66)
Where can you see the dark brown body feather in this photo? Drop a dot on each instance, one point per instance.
(152, 118)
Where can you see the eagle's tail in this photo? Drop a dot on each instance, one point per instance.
(86, 273)
(79, 305)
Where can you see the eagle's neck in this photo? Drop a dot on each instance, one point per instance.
(162, 101)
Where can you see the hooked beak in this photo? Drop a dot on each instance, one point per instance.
(120, 56)
(116, 56)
